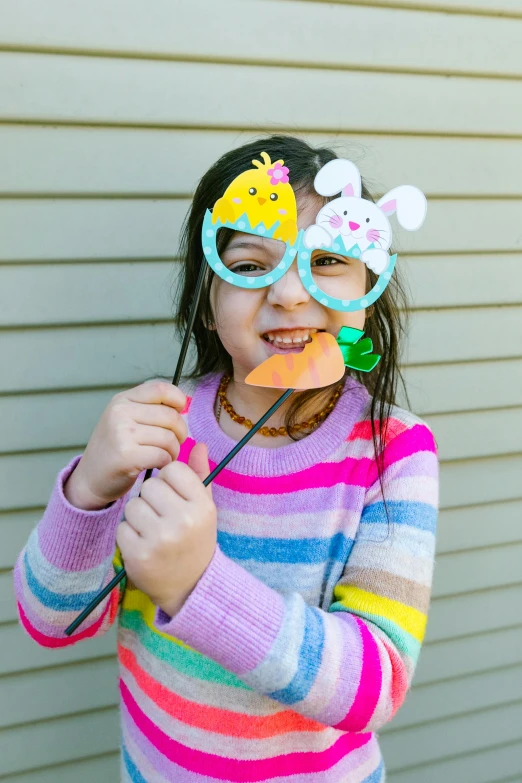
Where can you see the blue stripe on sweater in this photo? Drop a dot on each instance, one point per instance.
(402, 512)
(134, 773)
(309, 662)
(56, 601)
(284, 550)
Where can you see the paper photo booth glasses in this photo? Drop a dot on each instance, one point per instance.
(348, 230)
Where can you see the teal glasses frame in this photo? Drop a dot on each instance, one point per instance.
(293, 250)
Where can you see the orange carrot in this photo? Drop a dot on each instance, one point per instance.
(319, 364)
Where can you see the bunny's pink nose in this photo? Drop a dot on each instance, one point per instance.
(354, 226)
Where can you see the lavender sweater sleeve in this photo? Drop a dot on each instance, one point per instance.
(67, 560)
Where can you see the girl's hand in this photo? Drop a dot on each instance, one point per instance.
(169, 534)
(140, 428)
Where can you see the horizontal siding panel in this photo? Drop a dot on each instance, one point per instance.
(51, 421)
(454, 658)
(477, 433)
(86, 293)
(15, 528)
(445, 388)
(489, 7)
(61, 88)
(104, 768)
(493, 765)
(61, 420)
(7, 600)
(84, 357)
(479, 526)
(26, 480)
(472, 613)
(464, 334)
(450, 281)
(467, 694)
(79, 736)
(132, 161)
(461, 572)
(92, 293)
(52, 693)
(83, 229)
(19, 653)
(466, 733)
(34, 488)
(166, 29)
(476, 481)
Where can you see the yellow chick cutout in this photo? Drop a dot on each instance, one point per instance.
(265, 195)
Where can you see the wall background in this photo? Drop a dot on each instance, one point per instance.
(109, 114)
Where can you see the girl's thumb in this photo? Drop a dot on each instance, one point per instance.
(198, 460)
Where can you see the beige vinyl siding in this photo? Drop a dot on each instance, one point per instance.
(109, 114)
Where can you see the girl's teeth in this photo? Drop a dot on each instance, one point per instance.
(297, 339)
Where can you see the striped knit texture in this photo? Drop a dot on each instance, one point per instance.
(300, 640)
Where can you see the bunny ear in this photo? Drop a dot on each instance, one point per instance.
(336, 176)
(409, 203)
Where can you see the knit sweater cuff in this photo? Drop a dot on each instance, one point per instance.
(73, 539)
(231, 616)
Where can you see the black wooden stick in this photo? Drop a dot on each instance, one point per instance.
(211, 476)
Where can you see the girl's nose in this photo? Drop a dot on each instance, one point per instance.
(288, 291)
(354, 226)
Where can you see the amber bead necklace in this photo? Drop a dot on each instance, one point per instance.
(273, 431)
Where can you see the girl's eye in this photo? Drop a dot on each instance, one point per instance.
(328, 259)
(273, 196)
(252, 191)
(247, 267)
(367, 220)
(345, 212)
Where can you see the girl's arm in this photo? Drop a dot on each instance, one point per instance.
(349, 667)
(67, 560)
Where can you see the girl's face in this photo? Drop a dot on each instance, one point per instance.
(249, 321)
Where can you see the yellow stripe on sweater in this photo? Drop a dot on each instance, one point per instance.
(136, 601)
(411, 620)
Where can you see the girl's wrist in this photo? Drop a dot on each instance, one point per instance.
(79, 496)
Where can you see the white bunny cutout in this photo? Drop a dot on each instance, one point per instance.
(359, 221)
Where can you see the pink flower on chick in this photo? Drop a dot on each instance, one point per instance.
(278, 174)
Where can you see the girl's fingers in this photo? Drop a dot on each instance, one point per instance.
(160, 497)
(159, 416)
(127, 539)
(183, 480)
(157, 392)
(140, 515)
(158, 436)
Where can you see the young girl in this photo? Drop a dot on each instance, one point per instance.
(270, 624)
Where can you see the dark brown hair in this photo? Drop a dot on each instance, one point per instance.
(385, 327)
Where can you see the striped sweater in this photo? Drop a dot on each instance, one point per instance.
(301, 638)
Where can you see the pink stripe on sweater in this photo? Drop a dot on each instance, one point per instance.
(325, 474)
(51, 641)
(417, 440)
(363, 429)
(370, 685)
(238, 770)
(360, 472)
